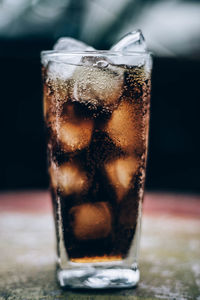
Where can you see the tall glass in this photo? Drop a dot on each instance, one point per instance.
(96, 110)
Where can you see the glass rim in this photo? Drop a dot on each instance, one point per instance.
(53, 54)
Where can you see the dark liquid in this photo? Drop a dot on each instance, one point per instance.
(97, 161)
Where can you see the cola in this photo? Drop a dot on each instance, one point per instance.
(97, 117)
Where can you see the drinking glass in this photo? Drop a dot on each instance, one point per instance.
(96, 111)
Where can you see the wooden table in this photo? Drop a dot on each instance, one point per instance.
(169, 256)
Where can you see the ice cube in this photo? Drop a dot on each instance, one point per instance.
(68, 178)
(64, 67)
(75, 136)
(75, 132)
(97, 82)
(120, 173)
(133, 41)
(91, 220)
(125, 127)
(72, 131)
(71, 44)
(62, 70)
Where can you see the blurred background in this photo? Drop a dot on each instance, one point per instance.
(172, 32)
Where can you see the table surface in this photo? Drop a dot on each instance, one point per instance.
(169, 255)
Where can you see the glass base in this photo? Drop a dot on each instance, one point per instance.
(98, 278)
